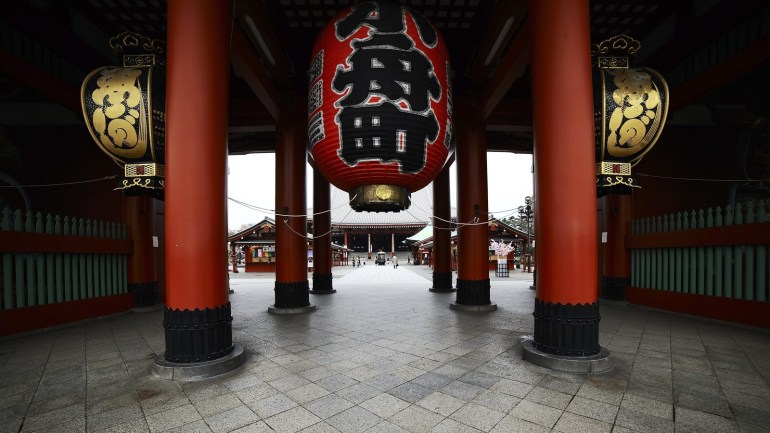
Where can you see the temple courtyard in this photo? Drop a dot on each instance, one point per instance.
(384, 354)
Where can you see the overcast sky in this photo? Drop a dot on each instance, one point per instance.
(251, 179)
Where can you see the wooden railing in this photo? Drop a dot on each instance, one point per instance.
(49, 259)
(713, 252)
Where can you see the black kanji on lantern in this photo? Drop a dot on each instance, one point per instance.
(386, 113)
(386, 133)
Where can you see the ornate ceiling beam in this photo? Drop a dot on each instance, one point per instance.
(728, 70)
(39, 80)
(511, 67)
(254, 19)
(249, 112)
(504, 18)
(248, 66)
(55, 33)
(690, 30)
(511, 115)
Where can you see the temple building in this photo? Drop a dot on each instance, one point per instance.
(648, 122)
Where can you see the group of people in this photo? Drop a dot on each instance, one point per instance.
(357, 261)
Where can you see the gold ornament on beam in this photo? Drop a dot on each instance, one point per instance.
(125, 111)
(630, 110)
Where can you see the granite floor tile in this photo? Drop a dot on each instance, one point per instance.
(292, 420)
(706, 421)
(403, 363)
(173, 418)
(511, 387)
(273, 405)
(572, 423)
(536, 413)
(495, 400)
(231, 419)
(593, 409)
(649, 406)
(452, 426)
(410, 392)
(321, 427)
(336, 382)
(218, 404)
(306, 393)
(137, 426)
(328, 406)
(433, 380)
(750, 415)
(55, 417)
(71, 426)
(384, 405)
(642, 422)
(199, 426)
(462, 390)
(416, 419)
(358, 393)
(114, 417)
(442, 404)
(705, 403)
(353, 420)
(255, 393)
(549, 397)
(479, 379)
(386, 427)
(477, 416)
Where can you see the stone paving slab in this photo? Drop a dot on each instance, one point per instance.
(384, 354)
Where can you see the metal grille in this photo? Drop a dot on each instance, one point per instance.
(617, 168)
(142, 170)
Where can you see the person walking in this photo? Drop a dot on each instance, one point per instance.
(395, 262)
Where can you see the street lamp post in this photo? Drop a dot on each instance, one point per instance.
(525, 213)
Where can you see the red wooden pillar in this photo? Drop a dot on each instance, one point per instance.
(139, 215)
(442, 254)
(322, 235)
(617, 264)
(291, 285)
(566, 308)
(197, 318)
(473, 233)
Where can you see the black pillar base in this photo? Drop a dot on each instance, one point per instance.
(442, 282)
(322, 284)
(473, 292)
(569, 330)
(198, 335)
(292, 295)
(291, 298)
(145, 294)
(614, 288)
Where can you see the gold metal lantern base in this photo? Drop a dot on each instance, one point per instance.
(380, 198)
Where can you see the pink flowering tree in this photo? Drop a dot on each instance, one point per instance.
(501, 248)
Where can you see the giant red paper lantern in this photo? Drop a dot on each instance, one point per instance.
(379, 104)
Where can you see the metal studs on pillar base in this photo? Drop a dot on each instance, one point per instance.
(291, 298)
(199, 344)
(442, 283)
(567, 338)
(473, 295)
(322, 284)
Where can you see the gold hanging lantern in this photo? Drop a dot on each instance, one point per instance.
(630, 108)
(124, 109)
